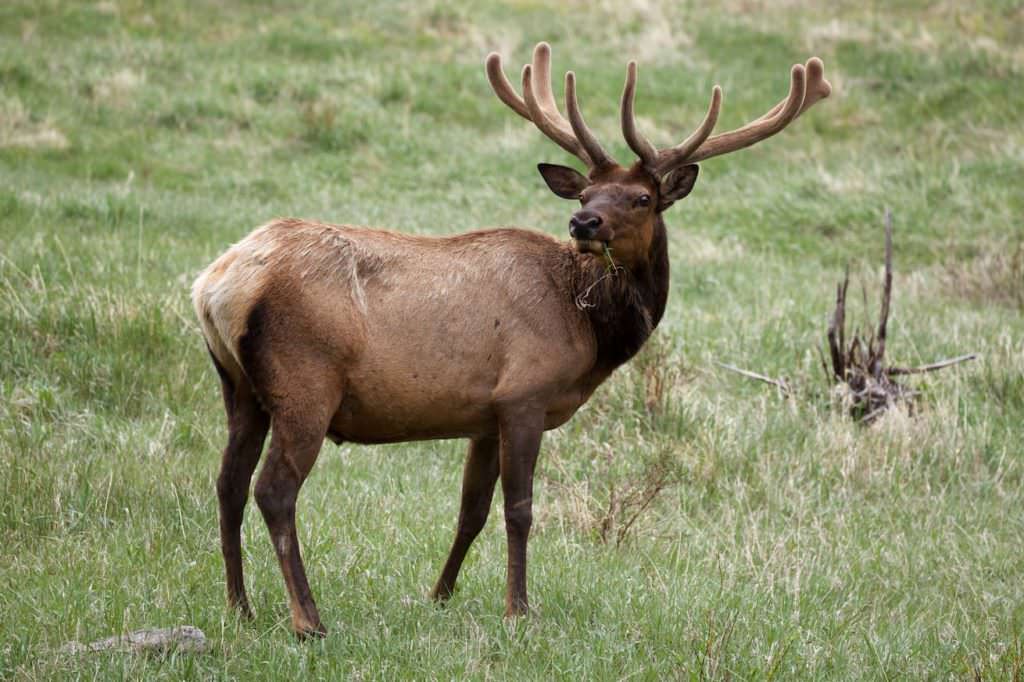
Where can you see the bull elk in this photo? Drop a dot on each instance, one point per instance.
(371, 336)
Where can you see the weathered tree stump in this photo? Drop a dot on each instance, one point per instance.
(859, 368)
(859, 373)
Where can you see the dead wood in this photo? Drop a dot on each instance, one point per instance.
(858, 370)
(778, 383)
(941, 364)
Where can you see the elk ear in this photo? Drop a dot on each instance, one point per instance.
(677, 185)
(566, 182)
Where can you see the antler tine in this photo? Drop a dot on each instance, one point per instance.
(575, 129)
(529, 107)
(544, 104)
(503, 88)
(807, 86)
(640, 145)
(676, 156)
(818, 88)
(660, 162)
(760, 128)
(558, 130)
(597, 153)
(542, 82)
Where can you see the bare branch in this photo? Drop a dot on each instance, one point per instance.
(836, 329)
(842, 312)
(883, 321)
(942, 364)
(874, 414)
(778, 383)
(824, 364)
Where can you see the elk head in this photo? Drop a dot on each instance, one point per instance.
(620, 206)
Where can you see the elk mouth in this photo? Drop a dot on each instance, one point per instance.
(590, 245)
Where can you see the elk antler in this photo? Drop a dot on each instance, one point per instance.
(807, 86)
(538, 105)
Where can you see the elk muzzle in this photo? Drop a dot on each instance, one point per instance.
(584, 225)
(589, 230)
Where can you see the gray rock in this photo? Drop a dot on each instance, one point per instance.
(184, 638)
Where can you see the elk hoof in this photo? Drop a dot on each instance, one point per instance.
(308, 628)
(241, 607)
(441, 594)
(308, 633)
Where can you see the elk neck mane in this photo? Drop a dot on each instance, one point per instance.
(623, 305)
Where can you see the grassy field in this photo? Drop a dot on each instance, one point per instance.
(139, 139)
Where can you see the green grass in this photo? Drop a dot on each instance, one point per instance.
(138, 139)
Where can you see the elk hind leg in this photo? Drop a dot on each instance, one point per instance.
(247, 431)
(294, 445)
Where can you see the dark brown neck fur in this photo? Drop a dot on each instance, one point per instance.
(624, 307)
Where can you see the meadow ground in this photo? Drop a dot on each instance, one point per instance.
(139, 139)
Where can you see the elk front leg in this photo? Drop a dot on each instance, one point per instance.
(294, 446)
(478, 479)
(520, 442)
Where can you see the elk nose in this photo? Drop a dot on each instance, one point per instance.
(584, 224)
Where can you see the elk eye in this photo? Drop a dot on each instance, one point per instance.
(643, 200)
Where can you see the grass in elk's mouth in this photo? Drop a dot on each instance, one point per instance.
(609, 262)
(599, 248)
(138, 140)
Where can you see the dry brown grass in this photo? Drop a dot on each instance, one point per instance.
(612, 506)
(995, 276)
(20, 128)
